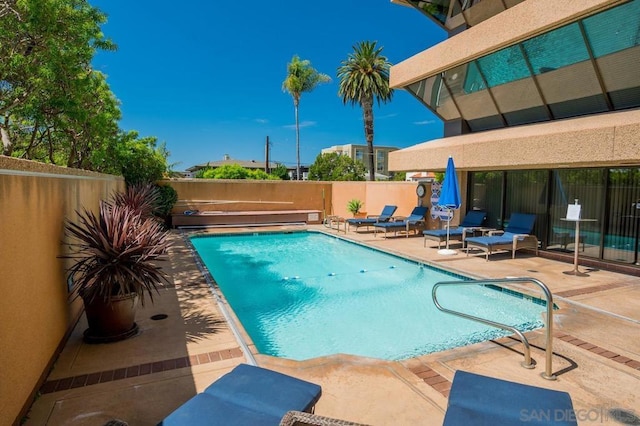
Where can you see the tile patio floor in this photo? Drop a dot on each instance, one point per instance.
(141, 380)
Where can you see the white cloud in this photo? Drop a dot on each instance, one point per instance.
(302, 125)
(382, 117)
(261, 120)
(424, 122)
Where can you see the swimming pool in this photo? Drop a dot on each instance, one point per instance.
(305, 294)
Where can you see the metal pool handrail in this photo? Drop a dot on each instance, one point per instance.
(548, 374)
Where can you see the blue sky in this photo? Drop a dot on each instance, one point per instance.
(206, 77)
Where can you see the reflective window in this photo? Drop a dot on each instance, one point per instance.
(550, 76)
(359, 154)
(468, 89)
(380, 161)
(526, 192)
(615, 39)
(622, 228)
(432, 92)
(486, 194)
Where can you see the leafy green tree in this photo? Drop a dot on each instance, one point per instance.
(301, 77)
(235, 171)
(399, 177)
(364, 76)
(336, 167)
(139, 160)
(281, 172)
(46, 48)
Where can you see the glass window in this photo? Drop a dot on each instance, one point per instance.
(485, 193)
(623, 222)
(614, 37)
(526, 192)
(469, 91)
(504, 66)
(432, 92)
(438, 9)
(588, 187)
(380, 161)
(556, 49)
(359, 154)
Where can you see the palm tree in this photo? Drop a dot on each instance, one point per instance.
(364, 75)
(301, 77)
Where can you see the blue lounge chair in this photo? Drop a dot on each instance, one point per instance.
(247, 395)
(480, 400)
(370, 220)
(413, 222)
(516, 236)
(473, 219)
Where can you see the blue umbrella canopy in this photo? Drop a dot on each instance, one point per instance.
(450, 193)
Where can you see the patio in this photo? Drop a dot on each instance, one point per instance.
(143, 379)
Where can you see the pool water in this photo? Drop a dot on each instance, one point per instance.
(303, 295)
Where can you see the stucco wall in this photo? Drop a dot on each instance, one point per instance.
(240, 195)
(596, 140)
(35, 312)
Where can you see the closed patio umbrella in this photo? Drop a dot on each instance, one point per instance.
(449, 199)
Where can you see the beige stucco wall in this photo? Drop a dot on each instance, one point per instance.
(604, 140)
(516, 24)
(375, 196)
(35, 313)
(249, 195)
(328, 197)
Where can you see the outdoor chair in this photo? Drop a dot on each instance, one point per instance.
(485, 401)
(247, 395)
(472, 220)
(516, 236)
(370, 220)
(413, 222)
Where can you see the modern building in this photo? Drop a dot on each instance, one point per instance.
(359, 152)
(541, 105)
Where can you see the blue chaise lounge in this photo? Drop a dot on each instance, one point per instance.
(473, 219)
(413, 222)
(370, 220)
(516, 236)
(484, 401)
(247, 395)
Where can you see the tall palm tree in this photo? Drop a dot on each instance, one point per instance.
(301, 77)
(364, 75)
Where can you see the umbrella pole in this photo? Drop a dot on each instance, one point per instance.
(447, 251)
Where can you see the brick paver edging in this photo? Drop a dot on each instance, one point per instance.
(137, 370)
(442, 385)
(598, 350)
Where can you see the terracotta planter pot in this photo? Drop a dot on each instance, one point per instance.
(360, 215)
(111, 322)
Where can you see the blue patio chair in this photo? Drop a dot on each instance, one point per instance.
(472, 220)
(247, 395)
(413, 222)
(480, 400)
(370, 220)
(516, 236)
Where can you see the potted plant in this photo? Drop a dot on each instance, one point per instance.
(354, 206)
(115, 266)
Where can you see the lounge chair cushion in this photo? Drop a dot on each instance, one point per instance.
(479, 400)
(385, 216)
(492, 240)
(265, 390)
(417, 216)
(206, 410)
(247, 395)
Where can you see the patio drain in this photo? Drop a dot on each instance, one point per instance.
(159, 317)
(532, 270)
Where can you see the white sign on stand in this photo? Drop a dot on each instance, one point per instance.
(573, 211)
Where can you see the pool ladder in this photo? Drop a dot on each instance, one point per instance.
(548, 374)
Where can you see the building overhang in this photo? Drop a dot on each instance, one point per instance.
(604, 140)
(514, 25)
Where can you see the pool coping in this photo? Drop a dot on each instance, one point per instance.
(244, 339)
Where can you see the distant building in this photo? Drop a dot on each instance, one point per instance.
(359, 152)
(247, 164)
